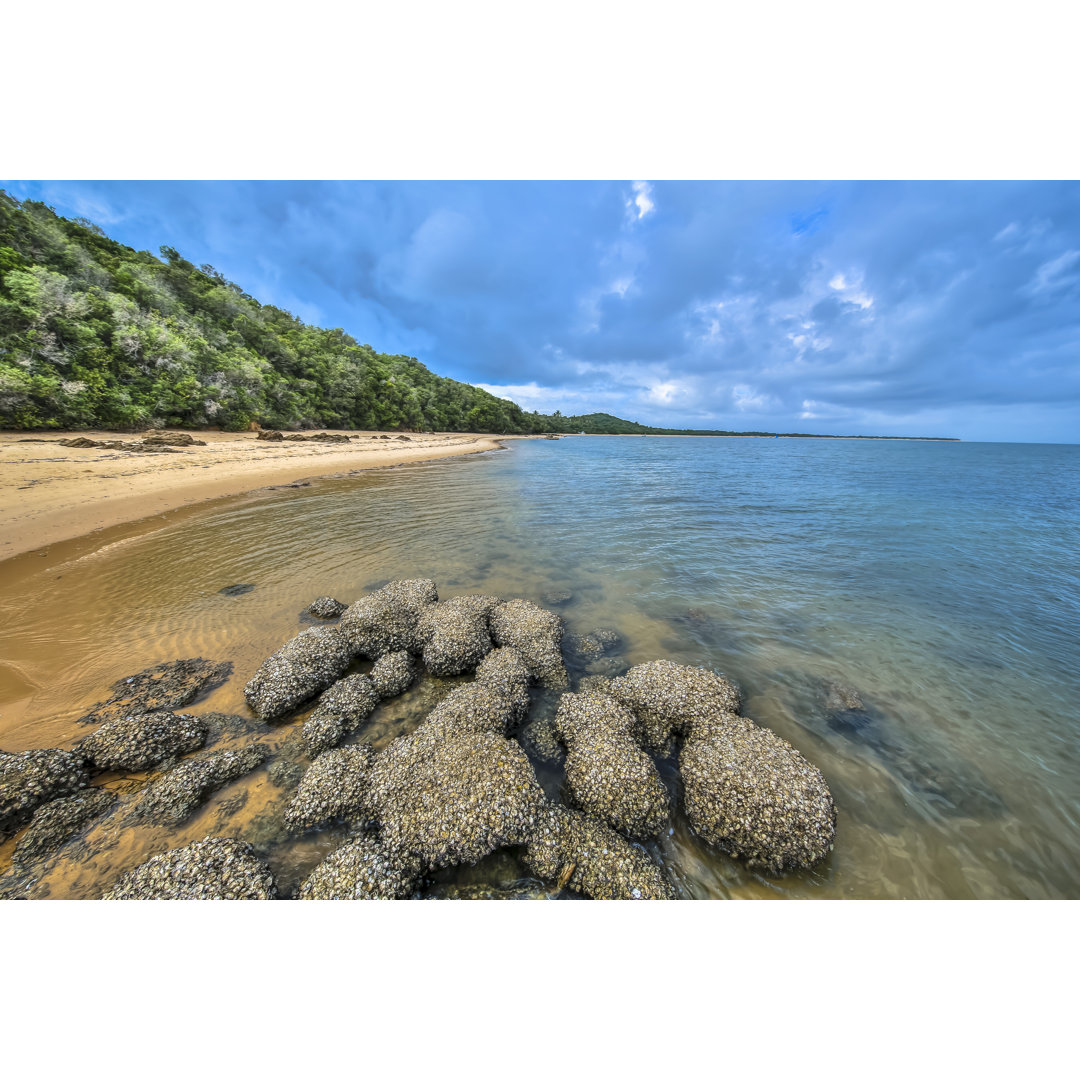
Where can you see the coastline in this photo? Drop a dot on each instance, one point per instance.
(51, 493)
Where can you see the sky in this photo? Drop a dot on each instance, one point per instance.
(884, 308)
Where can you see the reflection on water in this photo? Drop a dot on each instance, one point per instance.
(936, 581)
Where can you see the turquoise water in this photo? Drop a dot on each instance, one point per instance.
(938, 581)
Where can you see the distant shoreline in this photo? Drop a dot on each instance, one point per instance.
(718, 435)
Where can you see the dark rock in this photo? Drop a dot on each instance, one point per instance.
(300, 669)
(236, 590)
(557, 597)
(341, 709)
(135, 743)
(326, 607)
(164, 686)
(270, 436)
(212, 869)
(173, 438)
(588, 857)
(173, 797)
(58, 821)
(33, 777)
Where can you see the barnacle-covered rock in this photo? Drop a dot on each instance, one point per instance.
(33, 777)
(386, 621)
(454, 635)
(300, 669)
(164, 686)
(334, 787)
(607, 774)
(393, 673)
(666, 698)
(495, 702)
(453, 799)
(135, 743)
(216, 868)
(363, 869)
(341, 709)
(753, 795)
(590, 858)
(326, 607)
(541, 740)
(536, 634)
(590, 646)
(58, 821)
(172, 798)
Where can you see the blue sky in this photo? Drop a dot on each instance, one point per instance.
(936, 308)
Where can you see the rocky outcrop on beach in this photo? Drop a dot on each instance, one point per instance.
(300, 669)
(364, 869)
(171, 685)
(33, 777)
(216, 868)
(454, 636)
(393, 674)
(135, 743)
(537, 635)
(387, 620)
(341, 709)
(326, 607)
(175, 796)
(335, 787)
(55, 823)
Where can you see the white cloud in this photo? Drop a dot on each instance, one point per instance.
(664, 393)
(641, 203)
(746, 399)
(1053, 274)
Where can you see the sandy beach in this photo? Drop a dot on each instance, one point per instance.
(50, 493)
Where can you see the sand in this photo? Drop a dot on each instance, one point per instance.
(51, 493)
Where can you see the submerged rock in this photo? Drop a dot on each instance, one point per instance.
(135, 743)
(364, 869)
(216, 868)
(173, 797)
(236, 590)
(607, 774)
(326, 607)
(58, 821)
(588, 857)
(341, 709)
(591, 646)
(334, 787)
(752, 794)
(393, 674)
(386, 621)
(536, 634)
(300, 669)
(33, 777)
(666, 698)
(171, 685)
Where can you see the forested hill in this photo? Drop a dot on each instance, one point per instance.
(96, 335)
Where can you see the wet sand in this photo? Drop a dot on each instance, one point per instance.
(51, 493)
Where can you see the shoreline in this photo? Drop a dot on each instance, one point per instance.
(51, 493)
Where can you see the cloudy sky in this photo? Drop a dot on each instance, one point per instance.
(862, 308)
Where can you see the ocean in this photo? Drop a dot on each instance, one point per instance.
(907, 614)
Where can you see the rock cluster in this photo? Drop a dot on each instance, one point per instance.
(164, 686)
(135, 743)
(58, 821)
(33, 777)
(173, 797)
(334, 787)
(454, 635)
(300, 669)
(536, 634)
(363, 869)
(216, 868)
(393, 674)
(386, 621)
(341, 709)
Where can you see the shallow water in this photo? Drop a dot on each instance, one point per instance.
(938, 580)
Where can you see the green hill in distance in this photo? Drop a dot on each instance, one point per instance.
(94, 334)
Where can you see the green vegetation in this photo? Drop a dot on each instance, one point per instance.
(94, 334)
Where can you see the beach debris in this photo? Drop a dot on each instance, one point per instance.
(135, 743)
(172, 798)
(536, 634)
(236, 590)
(300, 669)
(602, 864)
(171, 685)
(393, 673)
(752, 794)
(364, 869)
(386, 620)
(454, 636)
(216, 868)
(607, 774)
(333, 788)
(340, 710)
(326, 607)
(56, 822)
(32, 777)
